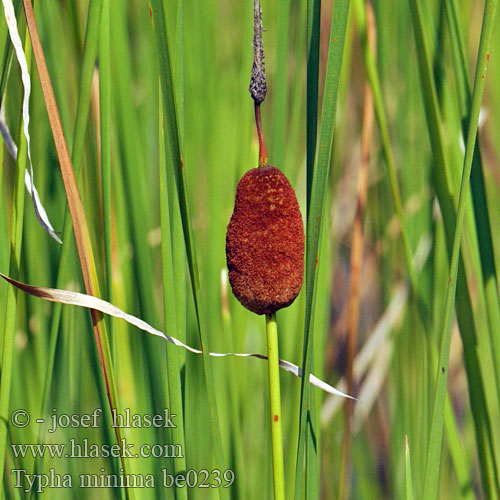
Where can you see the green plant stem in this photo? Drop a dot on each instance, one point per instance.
(81, 230)
(478, 191)
(77, 149)
(275, 406)
(434, 452)
(372, 75)
(409, 486)
(170, 310)
(317, 182)
(105, 132)
(173, 157)
(11, 301)
(313, 35)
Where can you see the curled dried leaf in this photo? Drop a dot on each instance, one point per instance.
(88, 301)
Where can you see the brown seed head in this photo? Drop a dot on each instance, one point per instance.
(265, 242)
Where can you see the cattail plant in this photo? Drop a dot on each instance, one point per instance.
(265, 248)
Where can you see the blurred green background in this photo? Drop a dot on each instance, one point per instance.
(55, 360)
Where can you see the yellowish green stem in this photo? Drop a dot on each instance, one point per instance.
(275, 404)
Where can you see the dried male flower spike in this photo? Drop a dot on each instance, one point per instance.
(265, 242)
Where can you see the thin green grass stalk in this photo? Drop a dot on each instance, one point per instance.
(149, 354)
(179, 249)
(136, 183)
(281, 86)
(373, 78)
(313, 38)
(170, 314)
(179, 70)
(62, 77)
(7, 49)
(459, 54)
(421, 411)
(445, 202)
(409, 483)
(372, 75)
(483, 225)
(295, 128)
(4, 262)
(130, 356)
(221, 142)
(88, 63)
(139, 206)
(202, 112)
(175, 358)
(105, 126)
(6, 46)
(477, 391)
(431, 479)
(275, 406)
(174, 160)
(316, 207)
(11, 300)
(65, 270)
(457, 453)
(237, 435)
(82, 236)
(479, 368)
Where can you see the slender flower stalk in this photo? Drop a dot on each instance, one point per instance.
(260, 135)
(275, 404)
(258, 86)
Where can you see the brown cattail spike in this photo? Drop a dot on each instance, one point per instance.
(265, 242)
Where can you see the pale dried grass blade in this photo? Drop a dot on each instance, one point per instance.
(90, 302)
(10, 18)
(28, 180)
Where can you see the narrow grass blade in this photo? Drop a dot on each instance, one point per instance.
(373, 78)
(179, 69)
(88, 64)
(137, 184)
(10, 17)
(64, 271)
(409, 483)
(457, 453)
(481, 211)
(6, 46)
(483, 395)
(11, 301)
(281, 85)
(105, 129)
(355, 265)
(313, 36)
(80, 227)
(170, 310)
(28, 180)
(316, 204)
(435, 441)
(173, 156)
